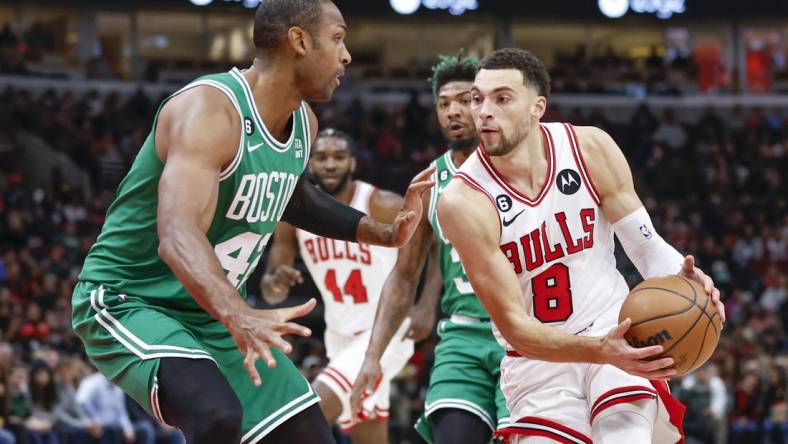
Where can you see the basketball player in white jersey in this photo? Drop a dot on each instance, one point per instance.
(532, 215)
(349, 277)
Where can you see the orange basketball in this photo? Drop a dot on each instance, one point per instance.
(674, 312)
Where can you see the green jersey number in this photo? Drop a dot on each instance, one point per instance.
(240, 254)
(462, 285)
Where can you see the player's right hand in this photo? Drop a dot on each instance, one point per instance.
(285, 277)
(366, 383)
(637, 361)
(256, 331)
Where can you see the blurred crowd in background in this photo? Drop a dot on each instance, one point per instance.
(715, 188)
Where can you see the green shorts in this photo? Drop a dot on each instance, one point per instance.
(465, 376)
(126, 337)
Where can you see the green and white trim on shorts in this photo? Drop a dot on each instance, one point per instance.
(284, 413)
(125, 337)
(133, 342)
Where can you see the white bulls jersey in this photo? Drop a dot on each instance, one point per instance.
(349, 275)
(559, 242)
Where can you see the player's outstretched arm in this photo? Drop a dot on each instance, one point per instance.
(197, 135)
(396, 299)
(472, 226)
(313, 210)
(647, 250)
(279, 274)
(422, 315)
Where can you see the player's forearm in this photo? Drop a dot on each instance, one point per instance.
(535, 340)
(433, 284)
(191, 258)
(373, 232)
(396, 299)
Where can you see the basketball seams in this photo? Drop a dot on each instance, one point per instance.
(694, 303)
(689, 307)
(692, 327)
(702, 343)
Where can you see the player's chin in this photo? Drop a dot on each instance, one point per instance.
(321, 95)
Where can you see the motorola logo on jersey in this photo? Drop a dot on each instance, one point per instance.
(568, 181)
(503, 202)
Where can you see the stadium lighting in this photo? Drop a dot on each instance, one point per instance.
(663, 9)
(455, 7)
(405, 7)
(613, 8)
(247, 3)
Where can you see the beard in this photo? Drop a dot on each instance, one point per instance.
(333, 191)
(507, 144)
(463, 144)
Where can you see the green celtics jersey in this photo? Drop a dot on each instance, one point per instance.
(253, 192)
(458, 296)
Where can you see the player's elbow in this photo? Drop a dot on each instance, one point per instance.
(168, 245)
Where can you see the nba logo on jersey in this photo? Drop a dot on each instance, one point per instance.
(299, 149)
(645, 231)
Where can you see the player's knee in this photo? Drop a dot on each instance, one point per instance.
(626, 422)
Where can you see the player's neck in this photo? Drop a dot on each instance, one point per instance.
(345, 195)
(526, 165)
(274, 95)
(460, 156)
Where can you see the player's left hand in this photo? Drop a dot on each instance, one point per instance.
(690, 271)
(410, 214)
(422, 319)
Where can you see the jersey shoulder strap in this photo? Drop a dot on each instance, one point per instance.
(362, 196)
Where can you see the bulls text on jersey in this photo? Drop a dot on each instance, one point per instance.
(537, 249)
(322, 249)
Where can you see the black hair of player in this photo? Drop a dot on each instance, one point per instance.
(274, 18)
(535, 74)
(452, 69)
(338, 134)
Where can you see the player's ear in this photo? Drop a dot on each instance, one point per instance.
(539, 107)
(299, 40)
(352, 165)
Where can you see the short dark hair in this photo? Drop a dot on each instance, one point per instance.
(274, 17)
(452, 69)
(337, 134)
(534, 72)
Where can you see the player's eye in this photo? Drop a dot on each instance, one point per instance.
(503, 99)
(476, 100)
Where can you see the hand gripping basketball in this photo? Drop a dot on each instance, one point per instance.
(690, 271)
(637, 361)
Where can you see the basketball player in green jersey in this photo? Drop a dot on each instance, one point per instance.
(160, 302)
(464, 402)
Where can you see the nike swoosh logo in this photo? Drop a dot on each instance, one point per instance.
(506, 222)
(251, 148)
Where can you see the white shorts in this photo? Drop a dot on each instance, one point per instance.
(345, 356)
(561, 401)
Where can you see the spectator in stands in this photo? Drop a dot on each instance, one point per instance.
(105, 404)
(6, 437)
(43, 401)
(8, 39)
(706, 398)
(72, 422)
(670, 132)
(148, 430)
